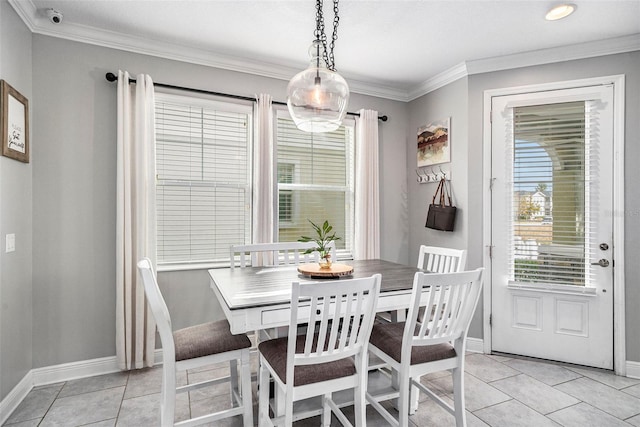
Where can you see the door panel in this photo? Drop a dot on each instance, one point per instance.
(551, 225)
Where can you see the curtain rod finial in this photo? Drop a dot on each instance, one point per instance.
(111, 77)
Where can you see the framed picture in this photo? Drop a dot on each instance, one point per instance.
(434, 146)
(15, 123)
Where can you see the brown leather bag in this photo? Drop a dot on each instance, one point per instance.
(441, 216)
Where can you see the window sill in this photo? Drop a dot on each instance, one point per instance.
(187, 267)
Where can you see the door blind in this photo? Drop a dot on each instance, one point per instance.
(203, 179)
(554, 158)
(315, 181)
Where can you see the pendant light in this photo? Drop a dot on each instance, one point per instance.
(317, 97)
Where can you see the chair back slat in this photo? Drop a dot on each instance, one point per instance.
(448, 301)
(272, 254)
(339, 320)
(441, 260)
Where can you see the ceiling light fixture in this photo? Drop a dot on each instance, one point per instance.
(560, 11)
(317, 97)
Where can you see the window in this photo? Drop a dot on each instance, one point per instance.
(286, 204)
(315, 181)
(203, 181)
(553, 164)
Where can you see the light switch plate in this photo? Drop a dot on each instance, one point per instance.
(11, 243)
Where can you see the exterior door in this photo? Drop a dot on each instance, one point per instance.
(552, 230)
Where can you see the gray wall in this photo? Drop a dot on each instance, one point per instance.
(627, 64)
(15, 215)
(74, 193)
(448, 101)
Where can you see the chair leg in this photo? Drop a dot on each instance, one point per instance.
(359, 400)
(415, 398)
(458, 397)
(168, 395)
(263, 397)
(325, 418)
(247, 416)
(233, 380)
(404, 399)
(288, 406)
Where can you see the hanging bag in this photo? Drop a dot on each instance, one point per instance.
(441, 216)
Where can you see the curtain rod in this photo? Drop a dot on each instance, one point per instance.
(112, 78)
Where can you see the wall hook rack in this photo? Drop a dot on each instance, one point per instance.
(427, 174)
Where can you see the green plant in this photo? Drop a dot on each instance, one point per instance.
(322, 240)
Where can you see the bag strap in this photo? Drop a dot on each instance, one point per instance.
(438, 189)
(448, 190)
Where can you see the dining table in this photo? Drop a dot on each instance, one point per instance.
(259, 298)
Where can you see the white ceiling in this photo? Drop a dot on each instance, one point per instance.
(396, 49)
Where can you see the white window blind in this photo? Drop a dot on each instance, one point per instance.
(554, 210)
(203, 179)
(315, 181)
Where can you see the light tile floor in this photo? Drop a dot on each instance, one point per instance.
(500, 391)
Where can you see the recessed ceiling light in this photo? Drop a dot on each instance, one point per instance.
(560, 11)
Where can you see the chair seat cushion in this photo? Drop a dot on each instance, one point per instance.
(388, 338)
(206, 339)
(275, 352)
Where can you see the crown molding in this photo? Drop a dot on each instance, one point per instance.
(439, 80)
(142, 45)
(145, 46)
(558, 54)
(594, 49)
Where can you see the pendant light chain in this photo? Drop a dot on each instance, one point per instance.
(327, 54)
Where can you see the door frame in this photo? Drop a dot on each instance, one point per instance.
(618, 82)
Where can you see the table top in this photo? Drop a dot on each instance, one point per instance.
(264, 286)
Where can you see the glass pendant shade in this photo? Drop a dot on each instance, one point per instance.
(317, 97)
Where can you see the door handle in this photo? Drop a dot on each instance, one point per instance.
(602, 263)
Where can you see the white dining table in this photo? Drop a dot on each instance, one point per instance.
(259, 298)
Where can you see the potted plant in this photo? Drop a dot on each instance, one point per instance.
(322, 240)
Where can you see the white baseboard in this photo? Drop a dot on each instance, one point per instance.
(475, 345)
(633, 369)
(15, 396)
(74, 370)
(60, 373)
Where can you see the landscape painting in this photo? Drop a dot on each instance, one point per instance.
(433, 143)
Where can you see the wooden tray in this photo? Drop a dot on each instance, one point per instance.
(313, 270)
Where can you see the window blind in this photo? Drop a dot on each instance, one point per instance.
(203, 179)
(554, 152)
(315, 181)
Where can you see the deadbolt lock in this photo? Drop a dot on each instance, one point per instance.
(604, 246)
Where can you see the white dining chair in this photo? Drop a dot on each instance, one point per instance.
(438, 343)
(275, 254)
(329, 356)
(441, 260)
(194, 347)
(433, 259)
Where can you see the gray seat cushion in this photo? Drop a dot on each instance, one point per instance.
(207, 338)
(275, 352)
(388, 338)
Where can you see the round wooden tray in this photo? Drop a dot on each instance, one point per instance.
(314, 270)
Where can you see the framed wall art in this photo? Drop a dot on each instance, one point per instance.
(15, 123)
(434, 145)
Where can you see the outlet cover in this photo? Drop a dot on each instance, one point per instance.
(11, 243)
